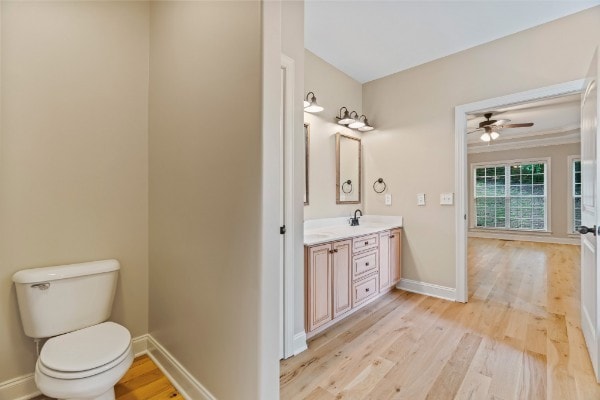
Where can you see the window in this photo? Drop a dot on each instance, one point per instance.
(576, 194)
(511, 196)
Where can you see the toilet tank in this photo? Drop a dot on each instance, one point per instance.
(64, 298)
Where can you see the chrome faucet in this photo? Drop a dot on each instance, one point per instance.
(354, 220)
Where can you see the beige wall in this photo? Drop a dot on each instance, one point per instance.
(73, 161)
(559, 194)
(413, 111)
(205, 190)
(334, 90)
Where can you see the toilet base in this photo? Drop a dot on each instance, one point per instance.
(108, 395)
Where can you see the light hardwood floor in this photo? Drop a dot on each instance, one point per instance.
(518, 337)
(143, 381)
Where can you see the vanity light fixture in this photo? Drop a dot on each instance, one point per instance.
(311, 105)
(357, 122)
(367, 127)
(344, 119)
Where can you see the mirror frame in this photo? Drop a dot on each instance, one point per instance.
(306, 158)
(338, 136)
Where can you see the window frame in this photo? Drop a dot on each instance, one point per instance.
(508, 163)
(571, 195)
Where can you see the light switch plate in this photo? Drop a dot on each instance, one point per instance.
(420, 199)
(388, 199)
(447, 199)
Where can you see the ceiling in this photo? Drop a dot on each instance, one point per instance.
(556, 118)
(371, 39)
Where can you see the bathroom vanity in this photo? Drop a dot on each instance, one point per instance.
(347, 267)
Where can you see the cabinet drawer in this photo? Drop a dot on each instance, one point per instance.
(365, 243)
(364, 289)
(364, 264)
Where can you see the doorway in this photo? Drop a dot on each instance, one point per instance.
(463, 172)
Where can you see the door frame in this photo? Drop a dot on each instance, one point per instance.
(289, 103)
(461, 168)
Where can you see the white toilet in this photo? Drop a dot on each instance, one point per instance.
(85, 356)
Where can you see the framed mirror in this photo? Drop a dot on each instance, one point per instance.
(306, 157)
(348, 169)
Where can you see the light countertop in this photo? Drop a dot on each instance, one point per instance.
(324, 230)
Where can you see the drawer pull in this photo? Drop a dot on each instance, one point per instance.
(366, 243)
(335, 250)
(367, 289)
(331, 251)
(392, 236)
(367, 264)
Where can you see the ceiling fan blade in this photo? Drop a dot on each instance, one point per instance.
(476, 130)
(501, 122)
(524, 125)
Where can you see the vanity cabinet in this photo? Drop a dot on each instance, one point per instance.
(328, 282)
(342, 276)
(390, 254)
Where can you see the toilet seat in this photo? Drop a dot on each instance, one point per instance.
(86, 352)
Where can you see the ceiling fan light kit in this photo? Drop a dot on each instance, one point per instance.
(491, 127)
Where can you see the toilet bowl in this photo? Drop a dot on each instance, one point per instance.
(85, 364)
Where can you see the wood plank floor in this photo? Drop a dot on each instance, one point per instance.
(518, 337)
(143, 381)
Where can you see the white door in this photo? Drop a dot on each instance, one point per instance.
(590, 216)
(282, 216)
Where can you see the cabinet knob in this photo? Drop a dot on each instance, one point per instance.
(367, 264)
(366, 243)
(367, 289)
(392, 236)
(335, 250)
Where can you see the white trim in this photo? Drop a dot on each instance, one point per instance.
(289, 339)
(460, 163)
(183, 381)
(20, 388)
(300, 342)
(24, 388)
(428, 289)
(525, 144)
(524, 238)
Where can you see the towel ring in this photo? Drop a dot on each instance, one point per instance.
(380, 181)
(349, 183)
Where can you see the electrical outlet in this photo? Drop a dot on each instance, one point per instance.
(420, 199)
(447, 199)
(388, 199)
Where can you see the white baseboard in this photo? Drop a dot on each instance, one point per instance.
(524, 238)
(428, 289)
(300, 342)
(20, 388)
(185, 383)
(24, 388)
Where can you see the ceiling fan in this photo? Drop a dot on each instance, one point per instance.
(491, 127)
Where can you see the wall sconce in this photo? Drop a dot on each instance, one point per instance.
(311, 105)
(353, 121)
(345, 118)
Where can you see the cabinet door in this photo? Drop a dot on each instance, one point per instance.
(319, 286)
(342, 289)
(395, 256)
(384, 260)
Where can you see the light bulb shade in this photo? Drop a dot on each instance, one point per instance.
(356, 124)
(486, 137)
(312, 106)
(494, 135)
(345, 119)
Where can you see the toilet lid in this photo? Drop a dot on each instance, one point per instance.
(86, 348)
